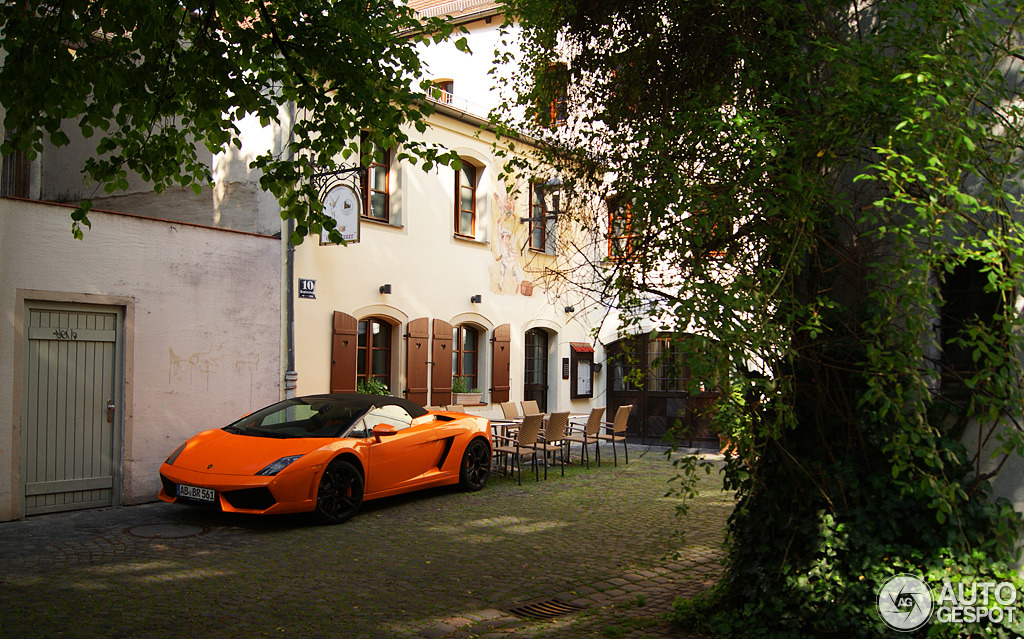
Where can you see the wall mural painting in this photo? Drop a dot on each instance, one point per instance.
(508, 273)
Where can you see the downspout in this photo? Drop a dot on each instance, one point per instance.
(291, 376)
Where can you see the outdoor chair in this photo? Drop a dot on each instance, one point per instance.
(617, 433)
(512, 417)
(510, 411)
(530, 407)
(524, 443)
(553, 439)
(456, 408)
(587, 435)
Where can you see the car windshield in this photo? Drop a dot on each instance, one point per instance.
(302, 417)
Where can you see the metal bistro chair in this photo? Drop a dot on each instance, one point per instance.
(617, 433)
(553, 439)
(525, 442)
(587, 435)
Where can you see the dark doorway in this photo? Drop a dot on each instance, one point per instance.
(652, 374)
(535, 386)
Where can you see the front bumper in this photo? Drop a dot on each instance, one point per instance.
(288, 492)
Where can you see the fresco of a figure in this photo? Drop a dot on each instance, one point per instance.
(508, 271)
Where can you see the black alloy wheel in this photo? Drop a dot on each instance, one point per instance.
(340, 493)
(476, 465)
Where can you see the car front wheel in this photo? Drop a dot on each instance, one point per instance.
(476, 465)
(340, 493)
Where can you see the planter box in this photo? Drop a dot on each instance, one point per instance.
(466, 399)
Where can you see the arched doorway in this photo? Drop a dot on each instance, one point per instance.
(535, 378)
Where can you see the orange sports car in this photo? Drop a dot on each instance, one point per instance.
(326, 454)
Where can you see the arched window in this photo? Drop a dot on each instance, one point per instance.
(538, 222)
(466, 354)
(465, 200)
(445, 89)
(373, 351)
(377, 182)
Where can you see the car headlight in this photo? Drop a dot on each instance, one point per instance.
(174, 456)
(279, 465)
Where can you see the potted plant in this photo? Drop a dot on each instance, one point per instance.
(372, 387)
(462, 394)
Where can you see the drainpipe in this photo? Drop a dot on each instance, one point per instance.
(291, 376)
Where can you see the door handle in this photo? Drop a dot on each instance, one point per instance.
(110, 411)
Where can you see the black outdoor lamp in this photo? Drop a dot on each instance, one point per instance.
(547, 195)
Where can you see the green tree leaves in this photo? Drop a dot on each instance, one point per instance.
(805, 181)
(152, 81)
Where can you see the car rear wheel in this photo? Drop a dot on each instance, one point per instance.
(340, 493)
(476, 465)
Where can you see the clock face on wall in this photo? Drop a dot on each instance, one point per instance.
(343, 204)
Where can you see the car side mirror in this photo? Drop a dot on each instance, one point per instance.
(383, 430)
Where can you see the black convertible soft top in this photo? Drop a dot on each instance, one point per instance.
(365, 401)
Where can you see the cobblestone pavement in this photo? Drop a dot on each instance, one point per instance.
(602, 546)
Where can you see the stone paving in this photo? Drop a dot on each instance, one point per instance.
(602, 546)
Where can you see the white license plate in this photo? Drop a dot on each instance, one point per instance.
(195, 492)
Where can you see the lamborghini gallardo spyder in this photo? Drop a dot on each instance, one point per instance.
(326, 454)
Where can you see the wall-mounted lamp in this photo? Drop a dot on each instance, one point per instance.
(476, 299)
(547, 197)
(597, 367)
(570, 309)
(385, 289)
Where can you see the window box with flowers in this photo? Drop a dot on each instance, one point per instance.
(462, 394)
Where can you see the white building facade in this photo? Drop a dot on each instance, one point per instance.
(179, 312)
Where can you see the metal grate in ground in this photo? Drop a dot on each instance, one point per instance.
(546, 609)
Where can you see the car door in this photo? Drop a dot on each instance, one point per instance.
(401, 459)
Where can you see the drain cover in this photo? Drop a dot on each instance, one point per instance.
(165, 531)
(547, 609)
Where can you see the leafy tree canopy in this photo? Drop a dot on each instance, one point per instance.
(149, 81)
(822, 199)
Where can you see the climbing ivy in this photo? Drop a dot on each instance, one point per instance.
(807, 187)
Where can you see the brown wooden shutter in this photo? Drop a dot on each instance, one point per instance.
(343, 353)
(441, 356)
(501, 361)
(417, 351)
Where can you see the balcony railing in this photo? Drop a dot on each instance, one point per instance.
(456, 7)
(458, 103)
